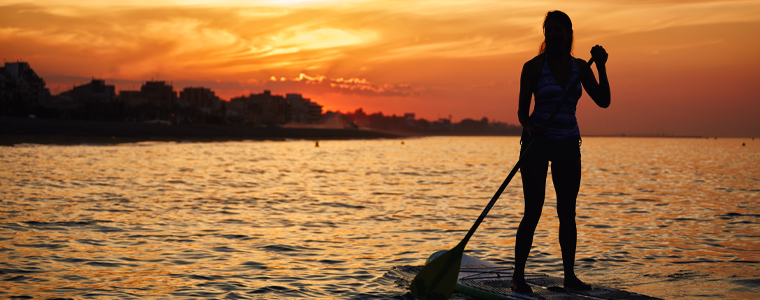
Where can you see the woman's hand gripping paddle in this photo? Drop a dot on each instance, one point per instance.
(438, 278)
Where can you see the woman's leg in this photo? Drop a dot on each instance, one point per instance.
(566, 175)
(533, 172)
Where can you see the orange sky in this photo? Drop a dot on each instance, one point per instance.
(676, 66)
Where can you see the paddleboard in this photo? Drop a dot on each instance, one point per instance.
(487, 280)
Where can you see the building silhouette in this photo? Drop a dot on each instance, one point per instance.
(95, 91)
(132, 98)
(302, 110)
(265, 109)
(91, 101)
(159, 94)
(201, 98)
(22, 91)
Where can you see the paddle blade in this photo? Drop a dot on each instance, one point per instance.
(438, 278)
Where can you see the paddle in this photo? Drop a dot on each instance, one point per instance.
(437, 279)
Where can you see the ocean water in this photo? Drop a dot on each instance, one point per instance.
(665, 217)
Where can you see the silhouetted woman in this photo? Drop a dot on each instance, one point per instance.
(546, 77)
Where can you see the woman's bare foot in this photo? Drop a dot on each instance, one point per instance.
(574, 283)
(520, 286)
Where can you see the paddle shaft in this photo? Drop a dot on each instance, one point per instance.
(519, 161)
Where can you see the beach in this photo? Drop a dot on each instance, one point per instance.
(355, 219)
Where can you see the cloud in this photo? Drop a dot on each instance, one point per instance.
(322, 84)
(357, 85)
(309, 79)
(192, 41)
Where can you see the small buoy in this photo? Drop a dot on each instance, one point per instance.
(316, 144)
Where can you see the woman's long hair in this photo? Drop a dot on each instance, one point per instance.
(565, 20)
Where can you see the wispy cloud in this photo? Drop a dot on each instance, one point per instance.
(185, 40)
(363, 86)
(360, 86)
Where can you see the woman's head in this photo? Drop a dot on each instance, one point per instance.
(558, 32)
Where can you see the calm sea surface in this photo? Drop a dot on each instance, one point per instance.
(670, 218)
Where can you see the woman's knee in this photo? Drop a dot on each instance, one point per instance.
(531, 216)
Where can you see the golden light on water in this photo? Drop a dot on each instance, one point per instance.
(669, 217)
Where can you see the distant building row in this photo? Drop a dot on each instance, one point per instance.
(22, 90)
(23, 93)
(269, 109)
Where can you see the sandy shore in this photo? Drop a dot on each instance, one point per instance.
(67, 132)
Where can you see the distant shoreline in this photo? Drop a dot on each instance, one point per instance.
(18, 130)
(75, 132)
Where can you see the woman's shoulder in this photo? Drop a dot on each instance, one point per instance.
(537, 60)
(580, 62)
(535, 64)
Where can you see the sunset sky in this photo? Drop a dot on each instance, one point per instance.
(676, 66)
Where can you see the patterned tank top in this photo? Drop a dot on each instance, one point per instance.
(548, 94)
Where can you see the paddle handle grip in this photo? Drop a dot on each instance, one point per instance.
(519, 161)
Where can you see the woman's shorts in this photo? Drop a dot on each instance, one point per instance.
(547, 149)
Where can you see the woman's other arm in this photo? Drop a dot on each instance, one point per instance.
(598, 91)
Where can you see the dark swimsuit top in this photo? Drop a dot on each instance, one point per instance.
(548, 94)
